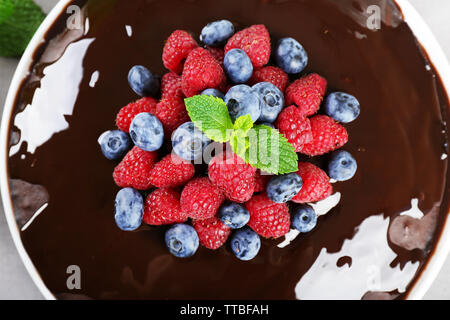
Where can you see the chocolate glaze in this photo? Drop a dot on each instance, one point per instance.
(398, 142)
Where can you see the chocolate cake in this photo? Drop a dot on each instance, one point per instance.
(373, 244)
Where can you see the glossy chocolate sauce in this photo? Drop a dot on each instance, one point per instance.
(371, 245)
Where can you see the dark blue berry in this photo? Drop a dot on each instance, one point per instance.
(188, 142)
(291, 56)
(342, 166)
(282, 189)
(242, 100)
(129, 209)
(217, 33)
(147, 132)
(245, 244)
(272, 101)
(143, 82)
(342, 107)
(234, 215)
(114, 144)
(182, 240)
(304, 218)
(238, 66)
(213, 93)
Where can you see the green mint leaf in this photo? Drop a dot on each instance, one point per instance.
(270, 151)
(6, 9)
(239, 141)
(19, 20)
(244, 124)
(210, 115)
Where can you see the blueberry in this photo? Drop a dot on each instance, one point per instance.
(342, 166)
(182, 240)
(129, 209)
(234, 215)
(282, 189)
(272, 101)
(114, 144)
(242, 100)
(342, 107)
(217, 33)
(245, 244)
(304, 218)
(291, 56)
(213, 93)
(238, 66)
(147, 132)
(188, 142)
(143, 82)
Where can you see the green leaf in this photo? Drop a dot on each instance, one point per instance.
(270, 151)
(239, 141)
(210, 115)
(6, 9)
(262, 147)
(244, 123)
(19, 20)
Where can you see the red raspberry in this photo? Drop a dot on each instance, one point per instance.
(176, 50)
(295, 127)
(212, 233)
(261, 181)
(267, 218)
(255, 41)
(274, 75)
(135, 168)
(307, 93)
(127, 113)
(162, 207)
(171, 86)
(200, 199)
(218, 54)
(233, 176)
(316, 184)
(201, 71)
(328, 135)
(172, 113)
(171, 171)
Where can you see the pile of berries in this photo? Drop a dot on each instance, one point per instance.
(157, 144)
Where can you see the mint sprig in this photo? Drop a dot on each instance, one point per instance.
(19, 20)
(260, 146)
(210, 115)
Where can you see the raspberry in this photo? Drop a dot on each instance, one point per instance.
(274, 75)
(127, 113)
(201, 71)
(212, 233)
(135, 168)
(177, 48)
(327, 136)
(162, 207)
(172, 113)
(261, 181)
(233, 176)
(267, 218)
(200, 199)
(217, 53)
(307, 93)
(295, 127)
(171, 86)
(171, 171)
(255, 41)
(316, 184)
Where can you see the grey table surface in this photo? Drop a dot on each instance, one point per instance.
(15, 283)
